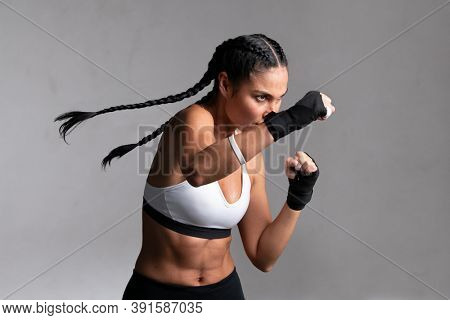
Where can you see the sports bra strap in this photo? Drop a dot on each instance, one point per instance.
(236, 150)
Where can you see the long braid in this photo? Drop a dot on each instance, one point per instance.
(169, 99)
(76, 117)
(120, 151)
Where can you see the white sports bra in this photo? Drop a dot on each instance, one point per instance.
(198, 211)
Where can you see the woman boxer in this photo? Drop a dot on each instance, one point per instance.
(208, 175)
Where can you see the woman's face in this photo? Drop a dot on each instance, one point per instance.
(257, 97)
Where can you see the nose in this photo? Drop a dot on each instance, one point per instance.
(270, 108)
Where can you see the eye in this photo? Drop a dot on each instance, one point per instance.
(261, 98)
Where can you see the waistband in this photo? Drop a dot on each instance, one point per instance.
(232, 276)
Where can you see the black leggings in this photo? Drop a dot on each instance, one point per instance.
(141, 287)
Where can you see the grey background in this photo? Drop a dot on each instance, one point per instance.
(377, 227)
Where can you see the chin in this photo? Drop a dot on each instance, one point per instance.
(249, 125)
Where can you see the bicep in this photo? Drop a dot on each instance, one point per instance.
(258, 215)
(193, 132)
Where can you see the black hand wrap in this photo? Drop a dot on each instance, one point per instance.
(305, 111)
(301, 189)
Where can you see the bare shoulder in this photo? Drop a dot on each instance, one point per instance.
(189, 131)
(194, 115)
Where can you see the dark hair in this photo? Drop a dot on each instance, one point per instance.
(238, 57)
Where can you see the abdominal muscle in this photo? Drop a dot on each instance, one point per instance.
(172, 258)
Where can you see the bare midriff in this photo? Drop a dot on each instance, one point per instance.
(173, 258)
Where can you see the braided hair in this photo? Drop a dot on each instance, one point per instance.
(239, 57)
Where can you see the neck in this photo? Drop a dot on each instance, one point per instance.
(223, 127)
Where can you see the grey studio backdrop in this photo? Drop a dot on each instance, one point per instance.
(377, 227)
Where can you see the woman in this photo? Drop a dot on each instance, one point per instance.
(208, 175)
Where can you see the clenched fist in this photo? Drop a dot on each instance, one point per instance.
(302, 172)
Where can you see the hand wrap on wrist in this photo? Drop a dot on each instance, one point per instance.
(301, 189)
(305, 111)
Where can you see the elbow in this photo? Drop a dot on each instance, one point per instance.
(266, 269)
(262, 267)
(194, 179)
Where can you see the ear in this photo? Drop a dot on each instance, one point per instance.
(225, 87)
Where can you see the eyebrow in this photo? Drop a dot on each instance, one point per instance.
(268, 94)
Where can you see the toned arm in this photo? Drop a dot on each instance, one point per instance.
(258, 215)
(201, 157)
(265, 239)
